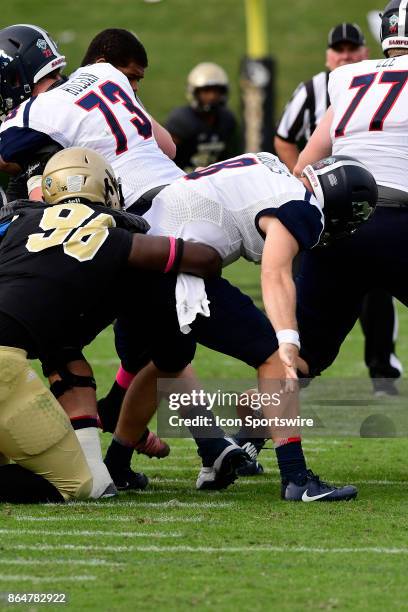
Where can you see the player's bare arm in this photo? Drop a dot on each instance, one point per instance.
(162, 253)
(319, 145)
(288, 152)
(9, 167)
(278, 288)
(164, 139)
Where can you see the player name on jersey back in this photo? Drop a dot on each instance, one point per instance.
(370, 117)
(97, 108)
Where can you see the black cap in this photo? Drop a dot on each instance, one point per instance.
(346, 32)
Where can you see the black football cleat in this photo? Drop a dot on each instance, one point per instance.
(253, 467)
(110, 491)
(310, 488)
(219, 472)
(383, 387)
(128, 480)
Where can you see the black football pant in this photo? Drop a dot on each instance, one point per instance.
(378, 321)
(333, 282)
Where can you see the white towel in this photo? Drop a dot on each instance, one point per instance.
(191, 300)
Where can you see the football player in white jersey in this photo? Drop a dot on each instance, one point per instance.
(252, 206)
(97, 108)
(368, 119)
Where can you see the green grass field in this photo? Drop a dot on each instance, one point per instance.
(170, 547)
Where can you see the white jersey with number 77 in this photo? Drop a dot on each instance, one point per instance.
(370, 117)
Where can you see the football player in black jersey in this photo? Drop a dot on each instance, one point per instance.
(205, 131)
(55, 267)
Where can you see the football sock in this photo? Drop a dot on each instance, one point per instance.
(88, 436)
(291, 460)
(83, 422)
(109, 407)
(118, 456)
(210, 438)
(20, 486)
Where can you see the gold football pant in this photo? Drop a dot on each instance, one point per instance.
(35, 432)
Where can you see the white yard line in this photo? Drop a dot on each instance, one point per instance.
(70, 547)
(172, 503)
(156, 492)
(53, 561)
(109, 519)
(173, 468)
(41, 579)
(90, 534)
(214, 549)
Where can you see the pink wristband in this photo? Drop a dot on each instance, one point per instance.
(172, 254)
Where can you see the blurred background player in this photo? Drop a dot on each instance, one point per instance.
(309, 102)
(205, 131)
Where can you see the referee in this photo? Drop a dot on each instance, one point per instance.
(307, 106)
(310, 100)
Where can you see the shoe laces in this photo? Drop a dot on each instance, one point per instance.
(316, 478)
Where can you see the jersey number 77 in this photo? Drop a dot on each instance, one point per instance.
(396, 79)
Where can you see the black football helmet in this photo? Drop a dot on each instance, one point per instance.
(27, 54)
(347, 192)
(394, 26)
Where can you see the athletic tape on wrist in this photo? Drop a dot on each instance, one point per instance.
(291, 336)
(33, 183)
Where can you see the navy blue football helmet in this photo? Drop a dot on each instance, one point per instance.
(347, 192)
(27, 54)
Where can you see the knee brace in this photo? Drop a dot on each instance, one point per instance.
(69, 381)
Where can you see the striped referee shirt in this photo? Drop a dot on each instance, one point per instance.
(305, 109)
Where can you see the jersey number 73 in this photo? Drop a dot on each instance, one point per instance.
(113, 93)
